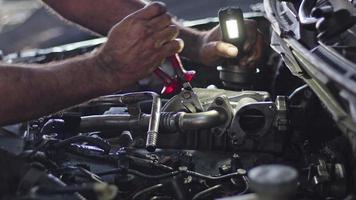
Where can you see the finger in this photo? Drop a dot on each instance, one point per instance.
(160, 22)
(251, 33)
(150, 11)
(221, 49)
(256, 52)
(171, 48)
(166, 35)
(216, 34)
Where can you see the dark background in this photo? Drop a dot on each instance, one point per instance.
(42, 29)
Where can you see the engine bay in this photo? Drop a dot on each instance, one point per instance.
(283, 130)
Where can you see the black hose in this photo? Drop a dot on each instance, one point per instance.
(206, 192)
(304, 13)
(137, 173)
(171, 174)
(92, 140)
(162, 176)
(85, 172)
(110, 172)
(63, 190)
(146, 190)
(297, 91)
(247, 186)
(212, 178)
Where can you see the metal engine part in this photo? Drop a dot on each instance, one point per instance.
(232, 120)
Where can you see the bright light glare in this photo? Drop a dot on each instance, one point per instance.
(232, 28)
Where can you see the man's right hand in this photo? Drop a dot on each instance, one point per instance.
(137, 45)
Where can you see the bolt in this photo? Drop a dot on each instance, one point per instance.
(183, 168)
(34, 126)
(241, 171)
(187, 95)
(50, 137)
(219, 101)
(151, 143)
(187, 180)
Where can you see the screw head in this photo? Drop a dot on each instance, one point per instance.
(219, 101)
(187, 95)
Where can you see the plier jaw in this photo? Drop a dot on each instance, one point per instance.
(181, 79)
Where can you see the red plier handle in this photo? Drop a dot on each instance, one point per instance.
(173, 85)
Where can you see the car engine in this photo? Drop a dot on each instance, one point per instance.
(283, 130)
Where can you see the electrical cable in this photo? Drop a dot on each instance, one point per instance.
(170, 174)
(203, 193)
(146, 190)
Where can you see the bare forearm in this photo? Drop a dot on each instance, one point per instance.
(101, 17)
(27, 92)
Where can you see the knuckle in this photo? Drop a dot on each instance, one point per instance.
(151, 42)
(175, 45)
(157, 7)
(143, 30)
(171, 32)
(130, 21)
(173, 29)
(167, 18)
(218, 46)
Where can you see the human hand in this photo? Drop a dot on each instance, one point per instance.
(213, 51)
(138, 44)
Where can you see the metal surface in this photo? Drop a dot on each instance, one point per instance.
(170, 122)
(190, 100)
(304, 13)
(203, 120)
(131, 100)
(152, 133)
(248, 109)
(317, 67)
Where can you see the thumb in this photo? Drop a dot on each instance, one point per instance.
(220, 49)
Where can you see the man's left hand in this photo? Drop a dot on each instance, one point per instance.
(213, 51)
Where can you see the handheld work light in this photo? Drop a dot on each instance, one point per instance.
(232, 26)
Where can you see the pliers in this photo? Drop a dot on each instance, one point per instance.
(180, 84)
(181, 80)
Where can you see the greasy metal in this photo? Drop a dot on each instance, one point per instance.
(203, 120)
(105, 122)
(152, 133)
(304, 13)
(313, 70)
(131, 100)
(267, 109)
(281, 121)
(222, 103)
(170, 122)
(190, 100)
